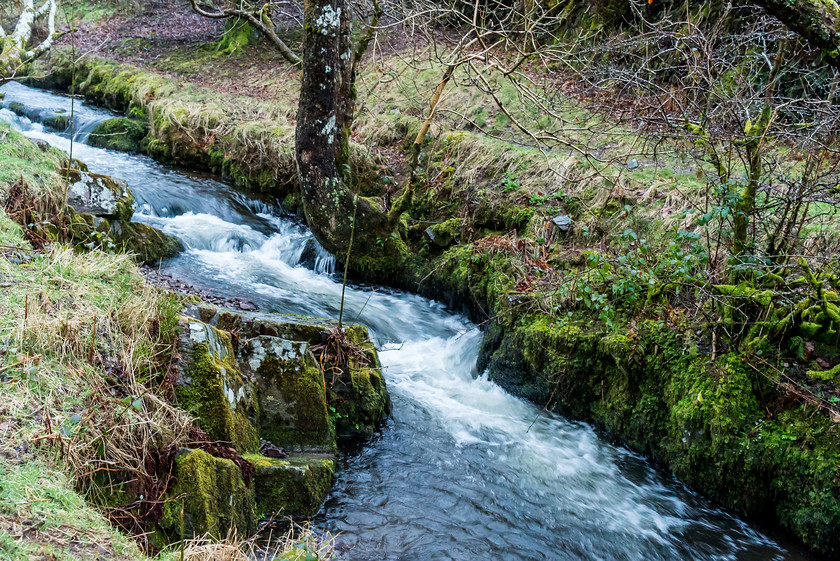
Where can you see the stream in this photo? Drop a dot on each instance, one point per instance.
(463, 470)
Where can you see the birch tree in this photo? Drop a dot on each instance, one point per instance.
(15, 48)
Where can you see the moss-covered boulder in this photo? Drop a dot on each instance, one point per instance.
(212, 495)
(295, 487)
(210, 385)
(59, 121)
(147, 243)
(292, 395)
(17, 108)
(119, 133)
(358, 395)
(100, 195)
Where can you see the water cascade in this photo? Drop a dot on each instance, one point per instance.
(463, 470)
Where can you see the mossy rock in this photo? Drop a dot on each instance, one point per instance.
(213, 495)
(120, 133)
(17, 108)
(147, 243)
(359, 397)
(59, 122)
(446, 233)
(211, 386)
(100, 195)
(295, 487)
(292, 396)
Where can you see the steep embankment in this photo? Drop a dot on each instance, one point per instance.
(72, 325)
(730, 386)
(109, 385)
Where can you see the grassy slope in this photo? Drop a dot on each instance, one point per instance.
(497, 193)
(54, 396)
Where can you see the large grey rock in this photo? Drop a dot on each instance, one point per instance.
(100, 195)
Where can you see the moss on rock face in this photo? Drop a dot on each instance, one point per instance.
(211, 386)
(274, 356)
(149, 244)
(292, 402)
(17, 108)
(58, 122)
(100, 195)
(293, 487)
(120, 133)
(213, 495)
(446, 233)
(360, 400)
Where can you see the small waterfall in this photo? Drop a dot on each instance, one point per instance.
(53, 112)
(83, 128)
(324, 261)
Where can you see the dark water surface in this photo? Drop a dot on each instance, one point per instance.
(463, 471)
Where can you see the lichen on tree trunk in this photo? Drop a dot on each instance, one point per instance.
(320, 141)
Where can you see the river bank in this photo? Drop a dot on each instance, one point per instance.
(749, 421)
(118, 396)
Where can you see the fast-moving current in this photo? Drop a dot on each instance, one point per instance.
(463, 471)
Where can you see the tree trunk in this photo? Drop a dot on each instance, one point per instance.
(328, 204)
(13, 48)
(818, 21)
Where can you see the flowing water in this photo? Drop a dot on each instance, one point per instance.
(463, 471)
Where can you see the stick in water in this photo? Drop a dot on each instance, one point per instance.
(347, 260)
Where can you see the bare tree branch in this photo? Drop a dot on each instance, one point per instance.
(260, 20)
(13, 48)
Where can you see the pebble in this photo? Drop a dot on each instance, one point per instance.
(156, 278)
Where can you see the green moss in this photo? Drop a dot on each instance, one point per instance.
(360, 402)
(57, 122)
(213, 497)
(17, 108)
(295, 487)
(293, 406)
(446, 233)
(830, 374)
(120, 133)
(747, 292)
(212, 388)
(149, 244)
(238, 34)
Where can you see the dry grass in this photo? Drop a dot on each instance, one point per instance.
(85, 346)
(299, 543)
